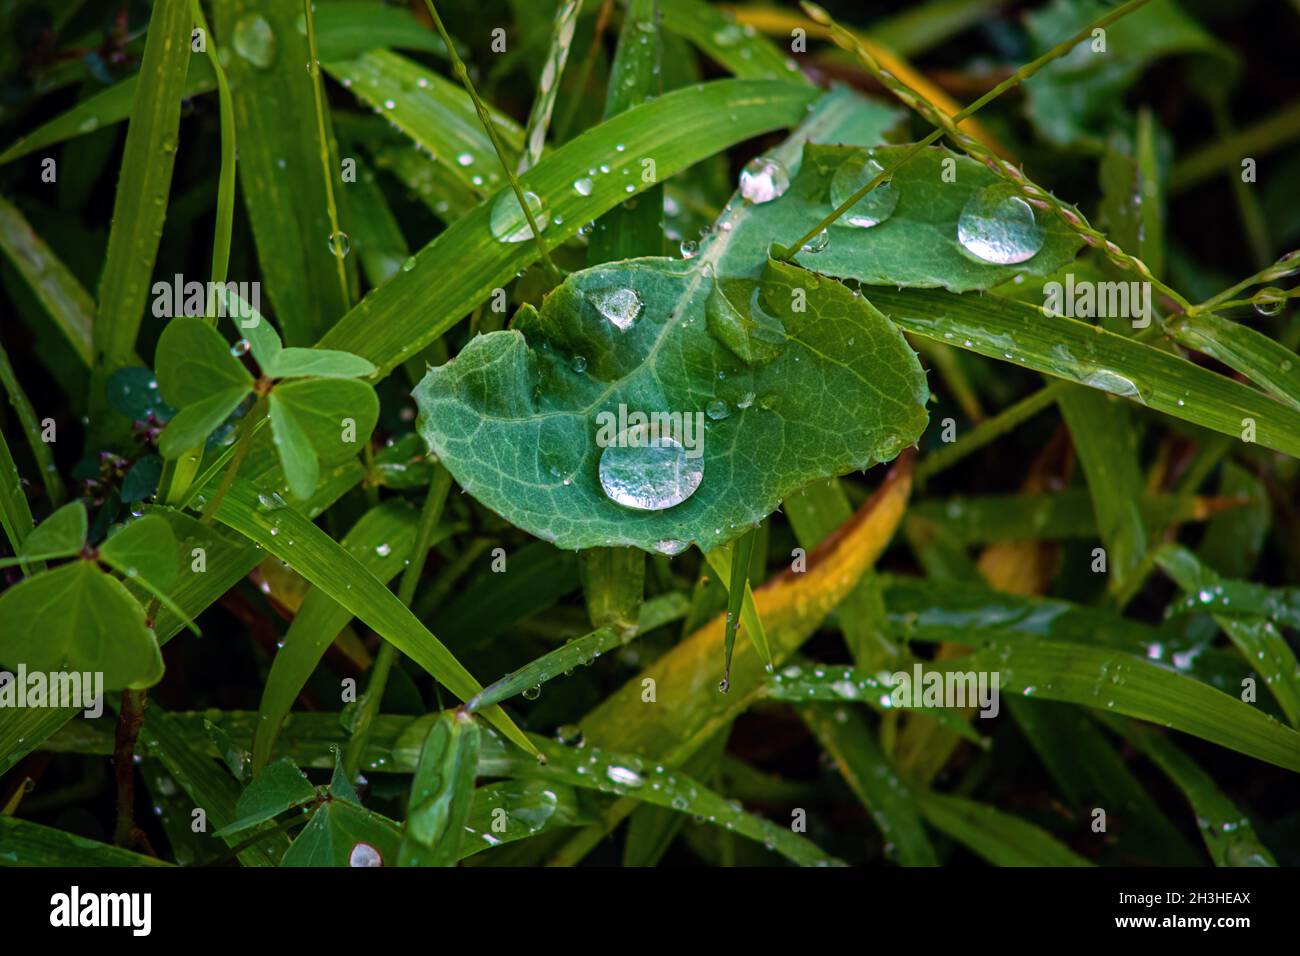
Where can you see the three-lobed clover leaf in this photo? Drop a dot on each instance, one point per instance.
(319, 410)
(79, 617)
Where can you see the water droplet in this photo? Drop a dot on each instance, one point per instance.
(464, 159)
(532, 693)
(254, 40)
(580, 363)
(240, 348)
(583, 186)
(89, 124)
(508, 222)
(998, 226)
(363, 854)
(1268, 301)
(624, 776)
(689, 248)
(873, 208)
(764, 179)
(384, 550)
(340, 244)
(409, 264)
(818, 242)
(670, 547)
(717, 410)
(647, 471)
(569, 734)
(620, 306)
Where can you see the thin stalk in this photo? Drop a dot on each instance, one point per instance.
(226, 179)
(129, 721)
(32, 431)
(430, 515)
(1022, 74)
(584, 72)
(986, 432)
(313, 65)
(548, 85)
(246, 428)
(463, 75)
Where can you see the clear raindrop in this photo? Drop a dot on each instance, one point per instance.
(254, 40)
(764, 179)
(647, 471)
(998, 226)
(873, 208)
(508, 222)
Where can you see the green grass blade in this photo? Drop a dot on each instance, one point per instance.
(1269, 364)
(1089, 355)
(998, 837)
(1227, 832)
(380, 540)
(743, 51)
(31, 429)
(15, 512)
(434, 112)
(140, 203)
(1106, 442)
(57, 289)
(678, 129)
(1258, 638)
(548, 84)
(324, 563)
(848, 739)
(1109, 680)
(32, 844)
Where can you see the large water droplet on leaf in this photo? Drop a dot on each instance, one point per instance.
(649, 471)
(873, 208)
(620, 305)
(254, 40)
(764, 179)
(998, 226)
(757, 337)
(508, 222)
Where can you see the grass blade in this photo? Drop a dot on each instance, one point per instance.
(998, 837)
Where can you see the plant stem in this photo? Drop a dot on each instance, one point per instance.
(1022, 74)
(226, 179)
(246, 428)
(326, 167)
(463, 75)
(129, 720)
(430, 515)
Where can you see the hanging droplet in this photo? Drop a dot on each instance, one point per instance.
(508, 222)
(689, 248)
(818, 242)
(254, 40)
(998, 226)
(621, 306)
(340, 244)
(647, 471)
(1268, 301)
(873, 208)
(363, 854)
(670, 546)
(764, 179)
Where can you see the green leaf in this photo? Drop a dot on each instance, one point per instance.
(15, 512)
(562, 382)
(320, 420)
(342, 833)
(193, 424)
(62, 533)
(613, 586)
(133, 391)
(144, 549)
(318, 363)
(998, 837)
(396, 321)
(280, 787)
(1089, 355)
(78, 618)
(742, 50)
(530, 807)
(1269, 364)
(194, 362)
(441, 793)
(917, 245)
